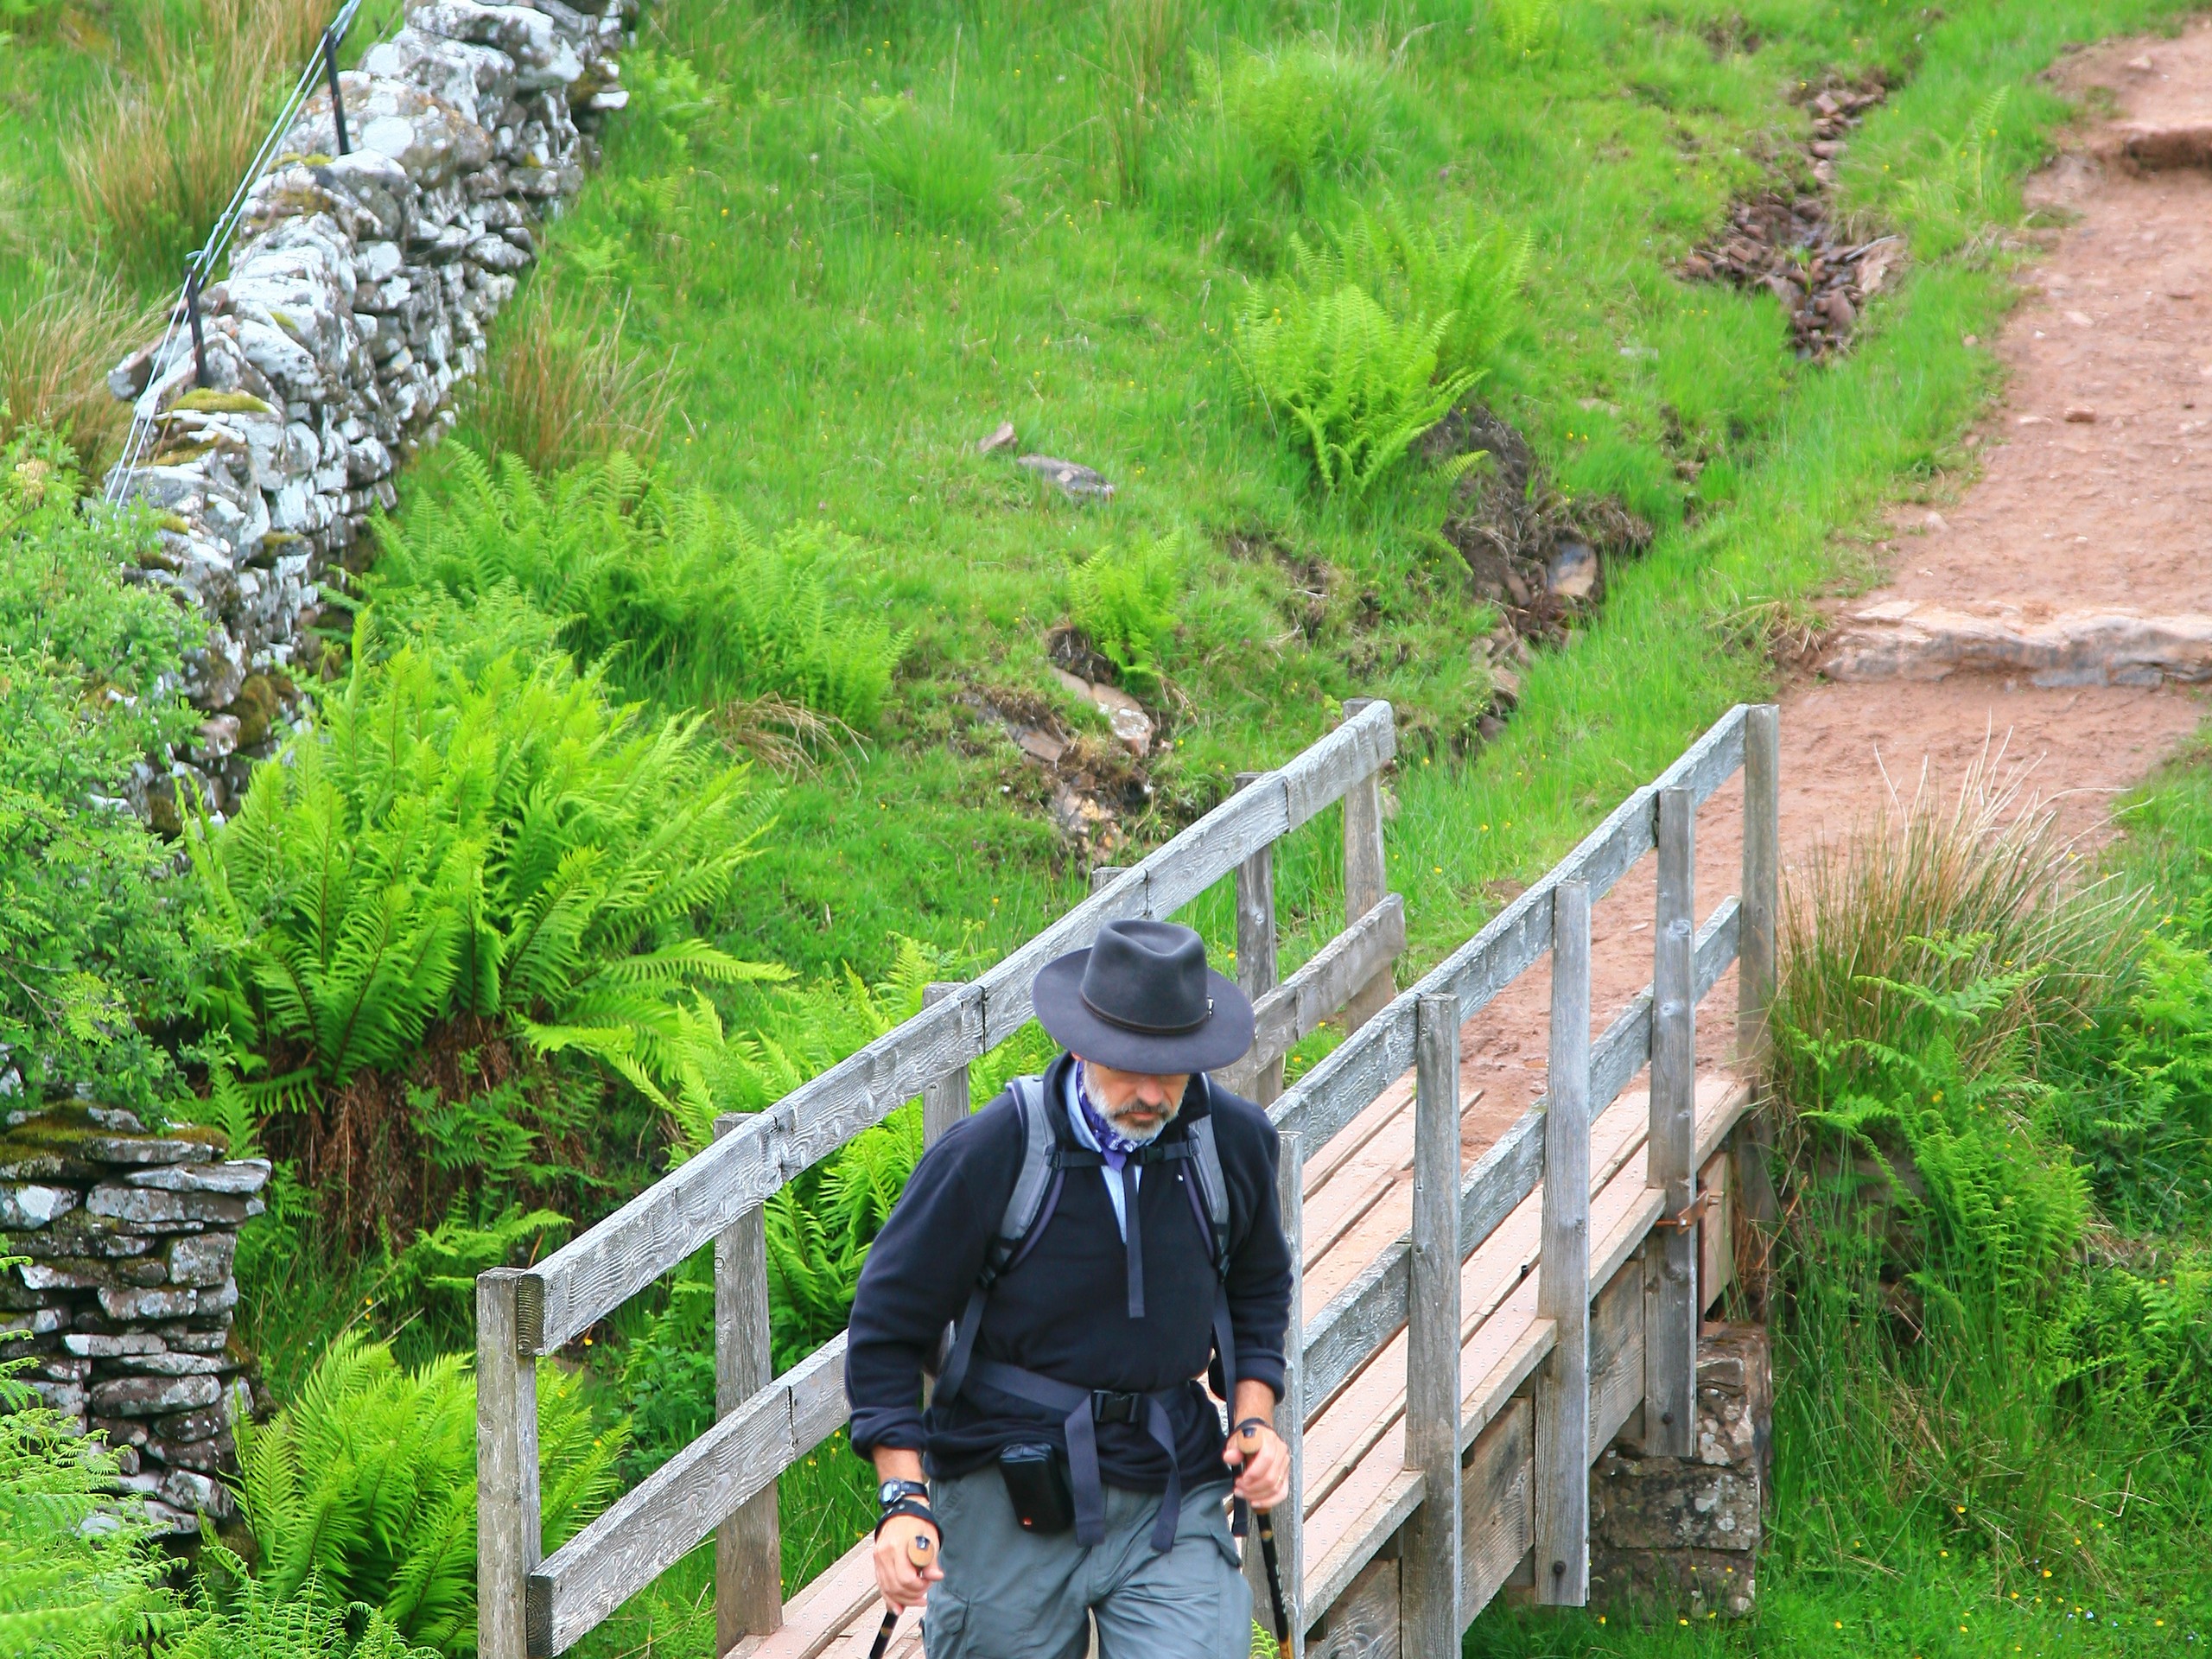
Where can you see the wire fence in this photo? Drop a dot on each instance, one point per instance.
(183, 331)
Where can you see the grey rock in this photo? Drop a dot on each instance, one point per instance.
(67, 1398)
(1073, 479)
(217, 1454)
(108, 1347)
(171, 1365)
(202, 1260)
(146, 1303)
(37, 1322)
(240, 1177)
(185, 1428)
(154, 1396)
(153, 1206)
(28, 1205)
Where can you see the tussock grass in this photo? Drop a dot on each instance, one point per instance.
(1953, 893)
(54, 353)
(159, 154)
(563, 386)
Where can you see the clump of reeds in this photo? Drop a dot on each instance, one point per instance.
(56, 347)
(559, 386)
(159, 154)
(1983, 888)
(1144, 51)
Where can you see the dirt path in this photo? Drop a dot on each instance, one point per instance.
(2078, 556)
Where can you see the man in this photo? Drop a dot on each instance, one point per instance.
(1094, 1238)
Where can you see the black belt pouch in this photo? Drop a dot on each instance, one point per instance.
(1037, 1483)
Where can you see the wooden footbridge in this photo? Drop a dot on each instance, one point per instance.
(1472, 1336)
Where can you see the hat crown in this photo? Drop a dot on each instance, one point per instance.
(1147, 976)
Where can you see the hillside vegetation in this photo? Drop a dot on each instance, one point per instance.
(671, 747)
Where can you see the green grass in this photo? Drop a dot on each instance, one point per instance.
(846, 322)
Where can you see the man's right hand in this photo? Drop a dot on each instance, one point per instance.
(902, 1583)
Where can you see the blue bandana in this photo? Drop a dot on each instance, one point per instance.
(1113, 1146)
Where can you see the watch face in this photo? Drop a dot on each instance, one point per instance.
(891, 1491)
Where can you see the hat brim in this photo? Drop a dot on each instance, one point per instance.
(1225, 1036)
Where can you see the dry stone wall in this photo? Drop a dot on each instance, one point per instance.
(355, 304)
(124, 1295)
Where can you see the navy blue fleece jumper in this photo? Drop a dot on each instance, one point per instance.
(1062, 1312)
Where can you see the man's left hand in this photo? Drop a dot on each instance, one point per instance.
(1262, 1477)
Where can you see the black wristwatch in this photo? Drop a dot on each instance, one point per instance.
(893, 1492)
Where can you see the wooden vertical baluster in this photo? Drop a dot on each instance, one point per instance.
(1429, 1580)
(748, 1547)
(1257, 971)
(1755, 965)
(1366, 880)
(944, 1102)
(1670, 1309)
(1757, 1207)
(1288, 1517)
(1562, 1468)
(507, 1536)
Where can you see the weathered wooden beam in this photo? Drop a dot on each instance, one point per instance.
(657, 1521)
(647, 1237)
(1762, 882)
(1364, 1065)
(1563, 1465)
(1429, 1584)
(1670, 1319)
(1366, 878)
(748, 1546)
(506, 1472)
(945, 1102)
(1325, 983)
(1259, 1075)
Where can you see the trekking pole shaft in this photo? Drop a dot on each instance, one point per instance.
(1249, 1443)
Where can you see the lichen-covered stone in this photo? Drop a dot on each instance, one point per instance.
(203, 1259)
(149, 1206)
(154, 1396)
(240, 1177)
(27, 1205)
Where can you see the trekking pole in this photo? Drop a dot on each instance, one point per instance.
(1249, 1440)
(919, 1548)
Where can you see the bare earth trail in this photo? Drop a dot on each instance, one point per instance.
(2078, 556)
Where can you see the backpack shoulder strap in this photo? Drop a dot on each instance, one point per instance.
(1030, 1182)
(1036, 1188)
(1205, 1163)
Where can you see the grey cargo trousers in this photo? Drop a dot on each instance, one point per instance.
(1009, 1594)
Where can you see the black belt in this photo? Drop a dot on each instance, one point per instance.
(1085, 1408)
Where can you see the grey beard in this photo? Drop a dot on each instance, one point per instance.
(1122, 1129)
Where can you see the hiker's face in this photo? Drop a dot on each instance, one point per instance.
(1139, 1104)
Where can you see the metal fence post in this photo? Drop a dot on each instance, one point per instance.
(337, 96)
(1430, 1570)
(748, 1547)
(1562, 1467)
(1670, 1307)
(1366, 878)
(507, 1536)
(1257, 971)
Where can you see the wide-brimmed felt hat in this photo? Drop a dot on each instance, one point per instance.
(1141, 999)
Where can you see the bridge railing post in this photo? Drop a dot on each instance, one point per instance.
(1366, 878)
(748, 1547)
(1257, 969)
(1430, 1569)
(507, 1533)
(1562, 1466)
(1670, 1307)
(1757, 1206)
(944, 1102)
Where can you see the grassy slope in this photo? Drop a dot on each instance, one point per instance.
(843, 350)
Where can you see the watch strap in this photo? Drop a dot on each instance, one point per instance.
(910, 1504)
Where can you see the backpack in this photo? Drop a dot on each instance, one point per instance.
(1045, 1163)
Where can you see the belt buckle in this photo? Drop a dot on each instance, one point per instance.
(1111, 1406)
